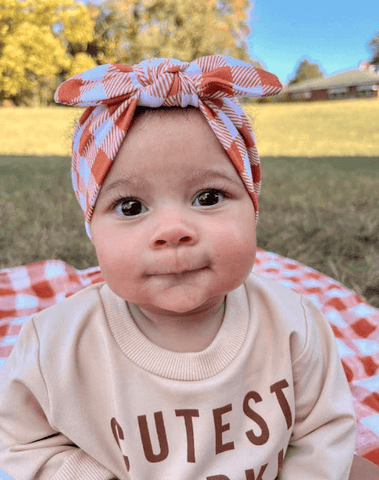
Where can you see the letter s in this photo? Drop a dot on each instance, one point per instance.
(264, 436)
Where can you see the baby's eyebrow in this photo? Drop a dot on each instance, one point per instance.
(201, 176)
(131, 183)
(196, 177)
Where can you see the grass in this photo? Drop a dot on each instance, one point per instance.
(323, 212)
(335, 128)
(39, 215)
(37, 131)
(319, 209)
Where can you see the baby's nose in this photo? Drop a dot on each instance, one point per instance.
(173, 237)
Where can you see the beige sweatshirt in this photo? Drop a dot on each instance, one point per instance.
(86, 396)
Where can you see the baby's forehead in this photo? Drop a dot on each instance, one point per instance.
(163, 111)
(149, 118)
(171, 144)
(162, 128)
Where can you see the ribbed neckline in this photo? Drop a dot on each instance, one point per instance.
(175, 365)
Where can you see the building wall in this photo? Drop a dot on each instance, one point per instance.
(293, 97)
(319, 95)
(352, 92)
(373, 93)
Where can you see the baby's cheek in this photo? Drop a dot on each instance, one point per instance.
(117, 260)
(236, 249)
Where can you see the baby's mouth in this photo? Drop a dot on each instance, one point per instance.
(176, 272)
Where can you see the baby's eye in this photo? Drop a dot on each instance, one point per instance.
(210, 197)
(130, 207)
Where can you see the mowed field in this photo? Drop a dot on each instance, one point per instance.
(336, 128)
(319, 202)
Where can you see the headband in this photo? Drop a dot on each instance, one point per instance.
(112, 92)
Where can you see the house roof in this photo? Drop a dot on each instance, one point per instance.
(342, 79)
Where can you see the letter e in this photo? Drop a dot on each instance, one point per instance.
(220, 428)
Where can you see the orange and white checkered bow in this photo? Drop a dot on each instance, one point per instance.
(112, 92)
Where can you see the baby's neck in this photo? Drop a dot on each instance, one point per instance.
(191, 332)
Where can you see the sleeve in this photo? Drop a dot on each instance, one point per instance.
(30, 446)
(323, 438)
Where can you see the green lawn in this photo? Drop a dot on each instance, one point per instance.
(336, 128)
(318, 208)
(37, 131)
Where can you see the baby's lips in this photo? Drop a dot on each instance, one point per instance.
(176, 269)
(176, 261)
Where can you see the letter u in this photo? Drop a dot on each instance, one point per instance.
(146, 438)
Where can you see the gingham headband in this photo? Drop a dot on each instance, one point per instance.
(112, 93)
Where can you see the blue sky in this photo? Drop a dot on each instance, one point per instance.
(333, 33)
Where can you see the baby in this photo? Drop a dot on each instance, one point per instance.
(183, 364)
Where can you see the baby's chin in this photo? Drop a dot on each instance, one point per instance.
(181, 303)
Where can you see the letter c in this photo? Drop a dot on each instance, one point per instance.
(119, 435)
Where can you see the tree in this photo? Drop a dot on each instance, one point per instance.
(128, 31)
(305, 71)
(374, 48)
(34, 35)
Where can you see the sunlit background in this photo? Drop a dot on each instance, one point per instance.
(334, 34)
(320, 195)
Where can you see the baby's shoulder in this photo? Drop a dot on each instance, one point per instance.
(280, 308)
(70, 314)
(267, 290)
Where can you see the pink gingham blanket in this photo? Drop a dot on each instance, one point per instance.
(28, 289)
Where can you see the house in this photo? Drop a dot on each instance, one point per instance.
(358, 83)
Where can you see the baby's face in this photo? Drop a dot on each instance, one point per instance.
(173, 225)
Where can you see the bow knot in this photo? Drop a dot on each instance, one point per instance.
(174, 68)
(163, 83)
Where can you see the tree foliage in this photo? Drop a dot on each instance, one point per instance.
(374, 48)
(305, 71)
(44, 41)
(128, 31)
(34, 39)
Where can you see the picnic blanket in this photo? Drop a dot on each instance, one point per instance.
(28, 289)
